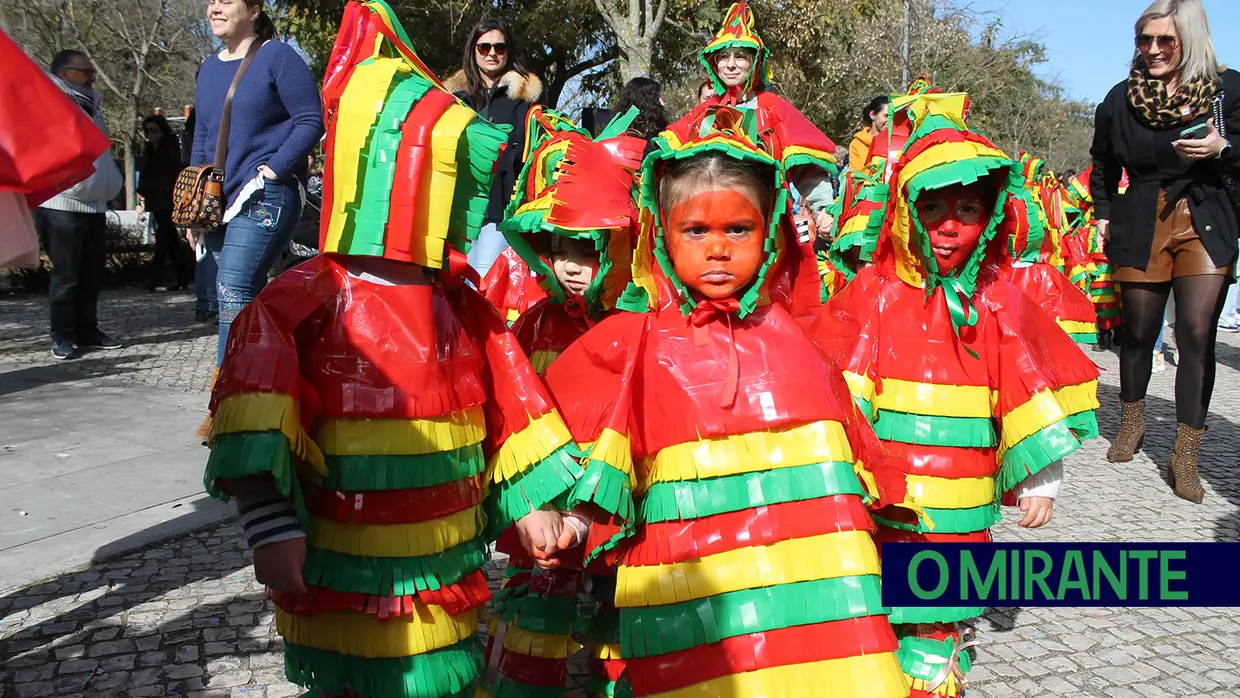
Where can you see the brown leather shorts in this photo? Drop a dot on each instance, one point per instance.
(1176, 252)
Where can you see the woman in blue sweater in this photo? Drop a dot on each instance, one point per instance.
(277, 120)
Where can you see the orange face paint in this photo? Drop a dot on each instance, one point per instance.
(715, 242)
(955, 218)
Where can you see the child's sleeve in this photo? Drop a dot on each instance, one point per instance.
(1046, 392)
(528, 447)
(1044, 483)
(261, 408)
(592, 382)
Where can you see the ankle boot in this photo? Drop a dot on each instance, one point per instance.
(1183, 477)
(1104, 341)
(1131, 432)
(204, 430)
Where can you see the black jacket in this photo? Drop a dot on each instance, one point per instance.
(157, 175)
(1122, 142)
(508, 102)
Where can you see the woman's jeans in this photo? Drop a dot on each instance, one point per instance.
(486, 249)
(246, 248)
(205, 274)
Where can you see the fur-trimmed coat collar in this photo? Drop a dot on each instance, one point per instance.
(527, 88)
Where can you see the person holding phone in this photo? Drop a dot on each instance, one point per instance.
(1173, 227)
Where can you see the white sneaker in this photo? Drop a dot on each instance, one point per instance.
(1160, 362)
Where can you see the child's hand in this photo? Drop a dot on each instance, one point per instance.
(540, 532)
(1038, 511)
(278, 565)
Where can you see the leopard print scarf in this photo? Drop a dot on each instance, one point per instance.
(1160, 110)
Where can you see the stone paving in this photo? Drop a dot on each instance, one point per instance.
(186, 618)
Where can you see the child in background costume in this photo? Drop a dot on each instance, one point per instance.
(574, 205)
(726, 462)
(736, 62)
(1099, 285)
(1032, 225)
(966, 380)
(371, 405)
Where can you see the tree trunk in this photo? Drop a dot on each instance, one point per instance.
(636, 24)
(131, 118)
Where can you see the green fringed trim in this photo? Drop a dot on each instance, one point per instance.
(951, 520)
(612, 689)
(627, 529)
(867, 407)
(927, 430)
(672, 501)
(504, 687)
(605, 625)
(398, 576)
(540, 485)
(370, 473)
(1035, 452)
(436, 674)
(933, 614)
(1084, 425)
(551, 615)
(512, 570)
(914, 651)
(606, 487)
(635, 299)
(1082, 338)
(239, 455)
(655, 630)
(476, 150)
(799, 159)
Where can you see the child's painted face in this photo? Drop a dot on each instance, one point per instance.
(575, 262)
(955, 218)
(715, 241)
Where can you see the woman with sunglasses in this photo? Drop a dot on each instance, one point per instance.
(493, 82)
(1174, 227)
(161, 161)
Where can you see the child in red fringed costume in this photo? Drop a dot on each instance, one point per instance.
(374, 418)
(571, 220)
(966, 379)
(727, 470)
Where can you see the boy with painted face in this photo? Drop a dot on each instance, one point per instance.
(374, 418)
(727, 471)
(570, 221)
(967, 381)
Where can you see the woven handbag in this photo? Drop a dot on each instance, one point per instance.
(198, 194)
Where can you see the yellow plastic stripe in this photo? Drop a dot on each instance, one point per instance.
(541, 359)
(401, 437)
(947, 688)
(1039, 412)
(859, 385)
(540, 174)
(542, 436)
(512, 315)
(817, 442)
(1077, 327)
(259, 412)
(794, 150)
(613, 448)
(360, 106)
(538, 644)
(950, 493)
(870, 675)
(396, 540)
(842, 554)
(359, 635)
(605, 650)
(1078, 398)
(444, 139)
(934, 400)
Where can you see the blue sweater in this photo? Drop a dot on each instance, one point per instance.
(277, 116)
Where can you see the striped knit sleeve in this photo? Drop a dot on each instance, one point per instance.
(266, 515)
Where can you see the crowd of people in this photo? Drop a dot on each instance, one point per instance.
(697, 372)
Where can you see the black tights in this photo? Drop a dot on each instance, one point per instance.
(1198, 305)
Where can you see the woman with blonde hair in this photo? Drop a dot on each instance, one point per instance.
(1174, 227)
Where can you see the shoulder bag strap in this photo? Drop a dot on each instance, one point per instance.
(1219, 122)
(221, 141)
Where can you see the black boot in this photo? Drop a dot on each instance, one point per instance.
(1104, 341)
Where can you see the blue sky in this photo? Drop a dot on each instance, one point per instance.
(1089, 42)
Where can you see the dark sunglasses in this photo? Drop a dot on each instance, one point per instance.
(1165, 42)
(484, 48)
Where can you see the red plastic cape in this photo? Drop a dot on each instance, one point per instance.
(511, 287)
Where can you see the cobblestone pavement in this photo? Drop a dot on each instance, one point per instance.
(186, 618)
